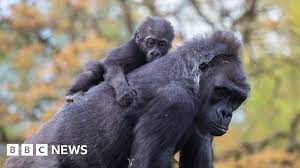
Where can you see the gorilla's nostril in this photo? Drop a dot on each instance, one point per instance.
(222, 112)
(157, 54)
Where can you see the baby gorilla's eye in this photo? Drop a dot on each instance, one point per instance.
(162, 43)
(150, 42)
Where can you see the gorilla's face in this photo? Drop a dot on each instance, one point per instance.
(223, 90)
(154, 37)
(155, 47)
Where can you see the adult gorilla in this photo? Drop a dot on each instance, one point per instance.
(183, 98)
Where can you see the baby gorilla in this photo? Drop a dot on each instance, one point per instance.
(151, 40)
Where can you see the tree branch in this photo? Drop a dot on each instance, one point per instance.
(293, 145)
(247, 17)
(3, 137)
(151, 6)
(196, 6)
(127, 15)
(250, 13)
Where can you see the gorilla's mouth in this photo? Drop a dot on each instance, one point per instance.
(151, 58)
(220, 129)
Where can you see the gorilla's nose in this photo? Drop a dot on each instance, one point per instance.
(224, 113)
(155, 53)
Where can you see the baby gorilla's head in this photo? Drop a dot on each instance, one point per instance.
(154, 37)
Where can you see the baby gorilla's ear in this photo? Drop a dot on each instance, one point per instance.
(137, 36)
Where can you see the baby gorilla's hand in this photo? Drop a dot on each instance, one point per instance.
(126, 97)
(69, 98)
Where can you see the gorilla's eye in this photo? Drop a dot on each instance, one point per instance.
(203, 66)
(162, 43)
(219, 93)
(222, 92)
(150, 42)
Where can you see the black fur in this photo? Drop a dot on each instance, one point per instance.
(175, 110)
(119, 61)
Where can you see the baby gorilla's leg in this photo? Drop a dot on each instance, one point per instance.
(92, 75)
(125, 96)
(116, 78)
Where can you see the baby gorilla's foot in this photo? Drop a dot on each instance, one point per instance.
(127, 97)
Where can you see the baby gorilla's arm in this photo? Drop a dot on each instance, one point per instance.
(116, 78)
(92, 75)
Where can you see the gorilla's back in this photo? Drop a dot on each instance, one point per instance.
(96, 120)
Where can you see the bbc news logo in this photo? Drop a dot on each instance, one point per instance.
(44, 149)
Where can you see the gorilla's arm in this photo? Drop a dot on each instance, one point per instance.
(158, 131)
(197, 152)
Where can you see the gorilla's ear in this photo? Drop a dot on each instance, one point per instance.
(137, 36)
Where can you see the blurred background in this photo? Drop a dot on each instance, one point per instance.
(45, 43)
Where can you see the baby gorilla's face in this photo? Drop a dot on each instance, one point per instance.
(155, 48)
(154, 37)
